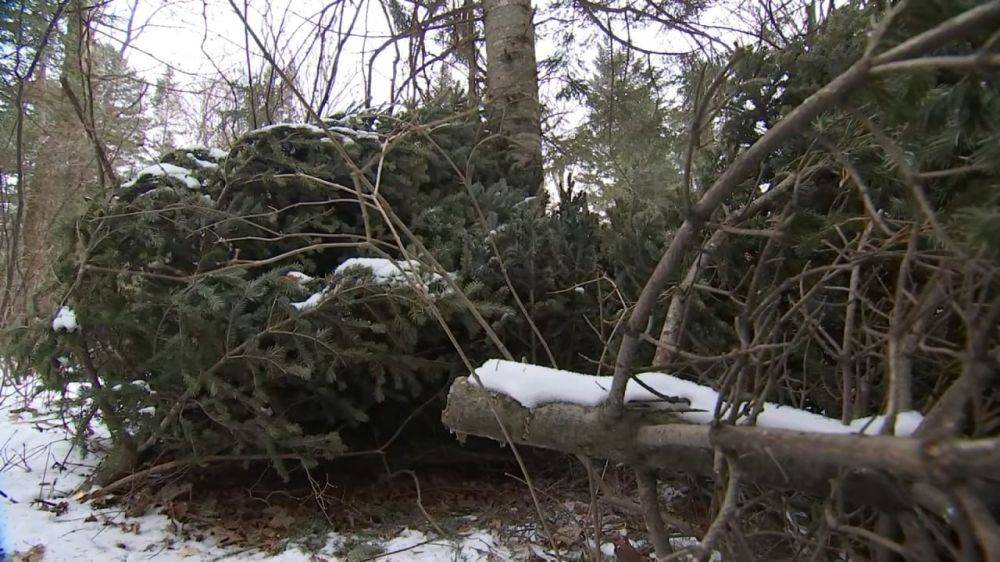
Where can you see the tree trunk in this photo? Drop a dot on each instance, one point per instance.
(62, 164)
(777, 458)
(467, 49)
(512, 83)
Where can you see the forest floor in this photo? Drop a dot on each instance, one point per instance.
(450, 504)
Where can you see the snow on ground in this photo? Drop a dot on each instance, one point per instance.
(533, 386)
(41, 470)
(414, 545)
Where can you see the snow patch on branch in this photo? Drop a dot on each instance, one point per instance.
(213, 153)
(368, 135)
(346, 135)
(203, 164)
(296, 126)
(385, 270)
(312, 302)
(65, 320)
(166, 170)
(299, 277)
(532, 386)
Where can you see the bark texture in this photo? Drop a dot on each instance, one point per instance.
(512, 82)
(467, 47)
(775, 458)
(57, 172)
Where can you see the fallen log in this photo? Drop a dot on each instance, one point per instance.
(779, 458)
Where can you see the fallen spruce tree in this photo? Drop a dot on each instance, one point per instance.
(838, 257)
(260, 305)
(843, 260)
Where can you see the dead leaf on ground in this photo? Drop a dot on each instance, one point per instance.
(567, 534)
(173, 491)
(139, 504)
(176, 509)
(280, 519)
(625, 552)
(33, 554)
(188, 551)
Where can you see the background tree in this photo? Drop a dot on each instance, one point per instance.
(168, 114)
(512, 81)
(80, 81)
(629, 143)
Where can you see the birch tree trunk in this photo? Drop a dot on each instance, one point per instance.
(512, 82)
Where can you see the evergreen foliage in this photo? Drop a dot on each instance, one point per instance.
(216, 318)
(941, 120)
(212, 321)
(628, 145)
(937, 120)
(551, 260)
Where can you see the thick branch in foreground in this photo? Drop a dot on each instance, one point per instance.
(779, 458)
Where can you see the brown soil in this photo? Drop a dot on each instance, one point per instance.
(446, 489)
